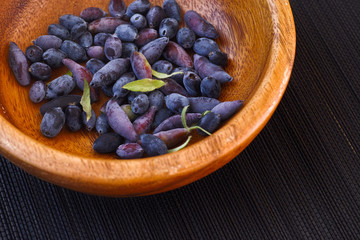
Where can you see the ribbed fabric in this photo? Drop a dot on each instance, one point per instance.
(299, 179)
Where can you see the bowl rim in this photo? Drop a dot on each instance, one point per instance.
(132, 177)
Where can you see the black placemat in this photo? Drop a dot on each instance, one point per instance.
(299, 179)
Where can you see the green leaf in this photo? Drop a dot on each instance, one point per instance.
(181, 146)
(85, 100)
(163, 75)
(144, 85)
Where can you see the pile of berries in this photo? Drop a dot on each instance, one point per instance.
(162, 81)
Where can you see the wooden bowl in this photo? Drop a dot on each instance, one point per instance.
(259, 37)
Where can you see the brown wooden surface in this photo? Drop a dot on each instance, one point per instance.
(259, 37)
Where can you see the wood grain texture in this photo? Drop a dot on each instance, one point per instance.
(259, 37)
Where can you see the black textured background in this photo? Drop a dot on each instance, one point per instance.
(299, 179)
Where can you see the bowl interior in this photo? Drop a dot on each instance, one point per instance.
(246, 34)
(240, 36)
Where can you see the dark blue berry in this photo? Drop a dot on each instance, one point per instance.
(185, 37)
(210, 87)
(153, 145)
(210, 122)
(52, 122)
(73, 118)
(107, 142)
(34, 53)
(140, 104)
(176, 102)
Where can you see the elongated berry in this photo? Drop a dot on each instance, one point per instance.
(153, 50)
(103, 106)
(60, 86)
(205, 68)
(154, 16)
(53, 57)
(74, 51)
(221, 76)
(203, 46)
(176, 122)
(80, 74)
(173, 137)
(227, 109)
(172, 86)
(126, 32)
(92, 13)
(40, 71)
(172, 9)
(143, 123)
(218, 58)
(130, 151)
(140, 66)
(107, 143)
(37, 91)
(199, 25)
(119, 121)
(105, 25)
(52, 122)
(19, 64)
(110, 72)
(48, 41)
(138, 6)
(59, 30)
(69, 20)
(145, 36)
(174, 53)
(97, 52)
(202, 104)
